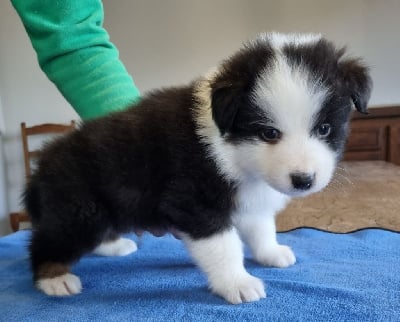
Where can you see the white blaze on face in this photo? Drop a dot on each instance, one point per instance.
(291, 99)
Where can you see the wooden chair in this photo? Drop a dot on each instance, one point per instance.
(16, 218)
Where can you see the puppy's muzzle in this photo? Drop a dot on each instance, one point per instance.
(302, 180)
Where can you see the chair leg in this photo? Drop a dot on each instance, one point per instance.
(14, 221)
(16, 218)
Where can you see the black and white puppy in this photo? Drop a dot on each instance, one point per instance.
(214, 160)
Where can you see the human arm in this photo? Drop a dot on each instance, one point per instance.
(76, 54)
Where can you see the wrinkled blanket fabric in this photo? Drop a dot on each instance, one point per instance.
(337, 277)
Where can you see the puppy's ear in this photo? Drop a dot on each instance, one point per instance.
(357, 81)
(225, 102)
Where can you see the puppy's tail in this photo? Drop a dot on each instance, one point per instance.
(31, 199)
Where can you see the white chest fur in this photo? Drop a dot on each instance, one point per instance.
(257, 197)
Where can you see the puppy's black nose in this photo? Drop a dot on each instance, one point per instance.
(301, 180)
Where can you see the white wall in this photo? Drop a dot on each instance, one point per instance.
(170, 42)
(26, 95)
(3, 189)
(166, 42)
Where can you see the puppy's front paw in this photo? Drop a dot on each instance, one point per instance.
(64, 285)
(246, 288)
(277, 256)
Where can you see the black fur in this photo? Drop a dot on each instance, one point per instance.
(233, 110)
(345, 77)
(347, 80)
(143, 168)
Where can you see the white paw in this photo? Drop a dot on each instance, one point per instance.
(64, 285)
(119, 247)
(246, 288)
(277, 256)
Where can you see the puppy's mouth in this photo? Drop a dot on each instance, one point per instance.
(293, 193)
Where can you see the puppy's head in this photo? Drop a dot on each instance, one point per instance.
(280, 109)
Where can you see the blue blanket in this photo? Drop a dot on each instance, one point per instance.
(337, 277)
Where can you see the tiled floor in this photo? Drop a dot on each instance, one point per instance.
(362, 194)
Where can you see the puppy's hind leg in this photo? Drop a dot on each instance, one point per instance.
(220, 256)
(55, 279)
(51, 259)
(58, 243)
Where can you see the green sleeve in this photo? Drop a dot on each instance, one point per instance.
(76, 54)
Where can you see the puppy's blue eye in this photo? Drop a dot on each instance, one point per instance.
(270, 135)
(324, 130)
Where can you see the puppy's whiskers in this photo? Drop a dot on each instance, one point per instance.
(340, 183)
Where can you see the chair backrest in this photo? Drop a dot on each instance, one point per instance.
(41, 129)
